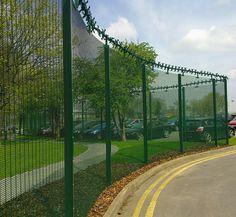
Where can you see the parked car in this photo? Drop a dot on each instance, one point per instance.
(155, 131)
(9, 132)
(80, 128)
(203, 130)
(173, 125)
(99, 132)
(47, 131)
(232, 123)
(95, 132)
(130, 123)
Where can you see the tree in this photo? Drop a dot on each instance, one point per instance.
(30, 57)
(204, 107)
(126, 80)
(158, 107)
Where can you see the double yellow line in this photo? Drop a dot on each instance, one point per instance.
(165, 179)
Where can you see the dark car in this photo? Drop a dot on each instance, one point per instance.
(96, 132)
(80, 128)
(99, 132)
(203, 130)
(156, 130)
(173, 124)
(131, 123)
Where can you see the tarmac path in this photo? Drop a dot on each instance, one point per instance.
(12, 187)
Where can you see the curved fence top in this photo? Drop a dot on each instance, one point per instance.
(92, 26)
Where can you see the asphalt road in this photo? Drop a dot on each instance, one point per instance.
(202, 188)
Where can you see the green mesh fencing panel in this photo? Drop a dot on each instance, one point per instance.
(199, 118)
(222, 128)
(31, 108)
(89, 116)
(156, 110)
(126, 113)
(163, 128)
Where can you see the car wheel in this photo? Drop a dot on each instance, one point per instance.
(98, 137)
(140, 136)
(207, 137)
(231, 133)
(166, 134)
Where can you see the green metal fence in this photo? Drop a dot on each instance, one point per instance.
(78, 113)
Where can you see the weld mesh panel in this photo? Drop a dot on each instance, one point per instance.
(31, 109)
(88, 116)
(163, 109)
(220, 114)
(199, 119)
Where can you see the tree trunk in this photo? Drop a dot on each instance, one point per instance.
(121, 126)
(123, 135)
(57, 122)
(21, 119)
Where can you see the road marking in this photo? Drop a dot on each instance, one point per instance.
(154, 184)
(153, 203)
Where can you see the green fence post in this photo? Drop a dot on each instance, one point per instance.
(101, 121)
(82, 116)
(184, 114)
(108, 113)
(144, 90)
(226, 111)
(180, 113)
(214, 110)
(150, 114)
(68, 109)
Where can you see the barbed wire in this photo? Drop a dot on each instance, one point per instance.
(166, 88)
(92, 26)
(194, 83)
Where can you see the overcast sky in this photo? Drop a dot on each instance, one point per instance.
(199, 34)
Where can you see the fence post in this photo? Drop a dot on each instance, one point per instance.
(82, 116)
(180, 113)
(184, 114)
(108, 112)
(150, 114)
(144, 90)
(226, 111)
(68, 109)
(214, 110)
(101, 121)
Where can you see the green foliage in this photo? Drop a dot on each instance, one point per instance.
(204, 107)
(159, 107)
(30, 58)
(126, 80)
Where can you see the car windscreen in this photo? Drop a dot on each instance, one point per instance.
(190, 123)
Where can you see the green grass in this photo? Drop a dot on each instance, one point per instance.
(131, 151)
(232, 141)
(26, 154)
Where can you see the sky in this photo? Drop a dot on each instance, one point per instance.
(198, 34)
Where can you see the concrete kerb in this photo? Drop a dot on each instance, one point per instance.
(129, 189)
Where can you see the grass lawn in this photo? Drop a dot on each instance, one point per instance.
(232, 141)
(26, 154)
(131, 151)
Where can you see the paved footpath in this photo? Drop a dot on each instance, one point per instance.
(201, 185)
(12, 187)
